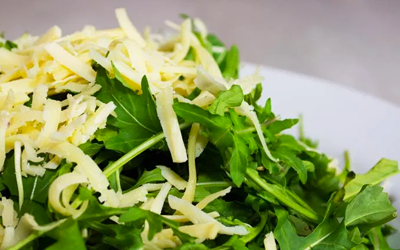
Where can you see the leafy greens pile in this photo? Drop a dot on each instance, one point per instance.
(297, 202)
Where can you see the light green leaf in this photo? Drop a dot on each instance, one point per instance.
(370, 208)
(227, 99)
(381, 171)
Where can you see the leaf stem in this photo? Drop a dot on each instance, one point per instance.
(281, 195)
(108, 171)
(253, 129)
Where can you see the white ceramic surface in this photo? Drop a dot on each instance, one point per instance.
(339, 118)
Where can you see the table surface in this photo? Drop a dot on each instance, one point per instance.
(354, 43)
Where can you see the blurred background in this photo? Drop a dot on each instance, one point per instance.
(355, 43)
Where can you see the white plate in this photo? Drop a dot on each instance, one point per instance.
(339, 118)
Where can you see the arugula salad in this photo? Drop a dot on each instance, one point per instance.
(115, 139)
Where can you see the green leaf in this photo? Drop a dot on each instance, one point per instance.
(136, 119)
(370, 208)
(227, 99)
(219, 55)
(231, 67)
(149, 177)
(119, 236)
(8, 45)
(90, 148)
(279, 126)
(293, 161)
(68, 236)
(329, 234)
(218, 127)
(35, 187)
(381, 171)
(35, 209)
(192, 246)
(194, 94)
(239, 161)
(240, 126)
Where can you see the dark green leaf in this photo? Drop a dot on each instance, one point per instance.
(227, 99)
(8, 45)
(239, 161)
(35, 187)
(68, 236)
(149, 177)
(293, 161)
(119, 236)
(35, 209)
(194, 94)
(136, 119)
(90, 148)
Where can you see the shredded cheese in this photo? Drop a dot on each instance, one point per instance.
(210, 198)
(173, 178)
(191, 187)
(17, 164)
(170, 125)
(197, 216)
(269, 241)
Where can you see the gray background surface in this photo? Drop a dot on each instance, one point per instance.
(355, 43)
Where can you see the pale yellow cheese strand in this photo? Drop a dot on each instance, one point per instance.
(210, 198)
(191, 186)
(17, 164)
(4, 120)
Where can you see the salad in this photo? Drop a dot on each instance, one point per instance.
(113, 139)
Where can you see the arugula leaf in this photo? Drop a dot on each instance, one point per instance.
(231, 63)
(91, 148)
(194, 94)
(329, 234)
(239, 125)
(35, 187)
(220, 54)
(136, 119)
(218, 127)
(293, 161)
(149, 177)
(227, 99)
(8, 45)
(279, 126)
(119, 236)
(370, 208)
(192, 246)
(37, 210)
(239, 161)
(382, 170)
(68, 237)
